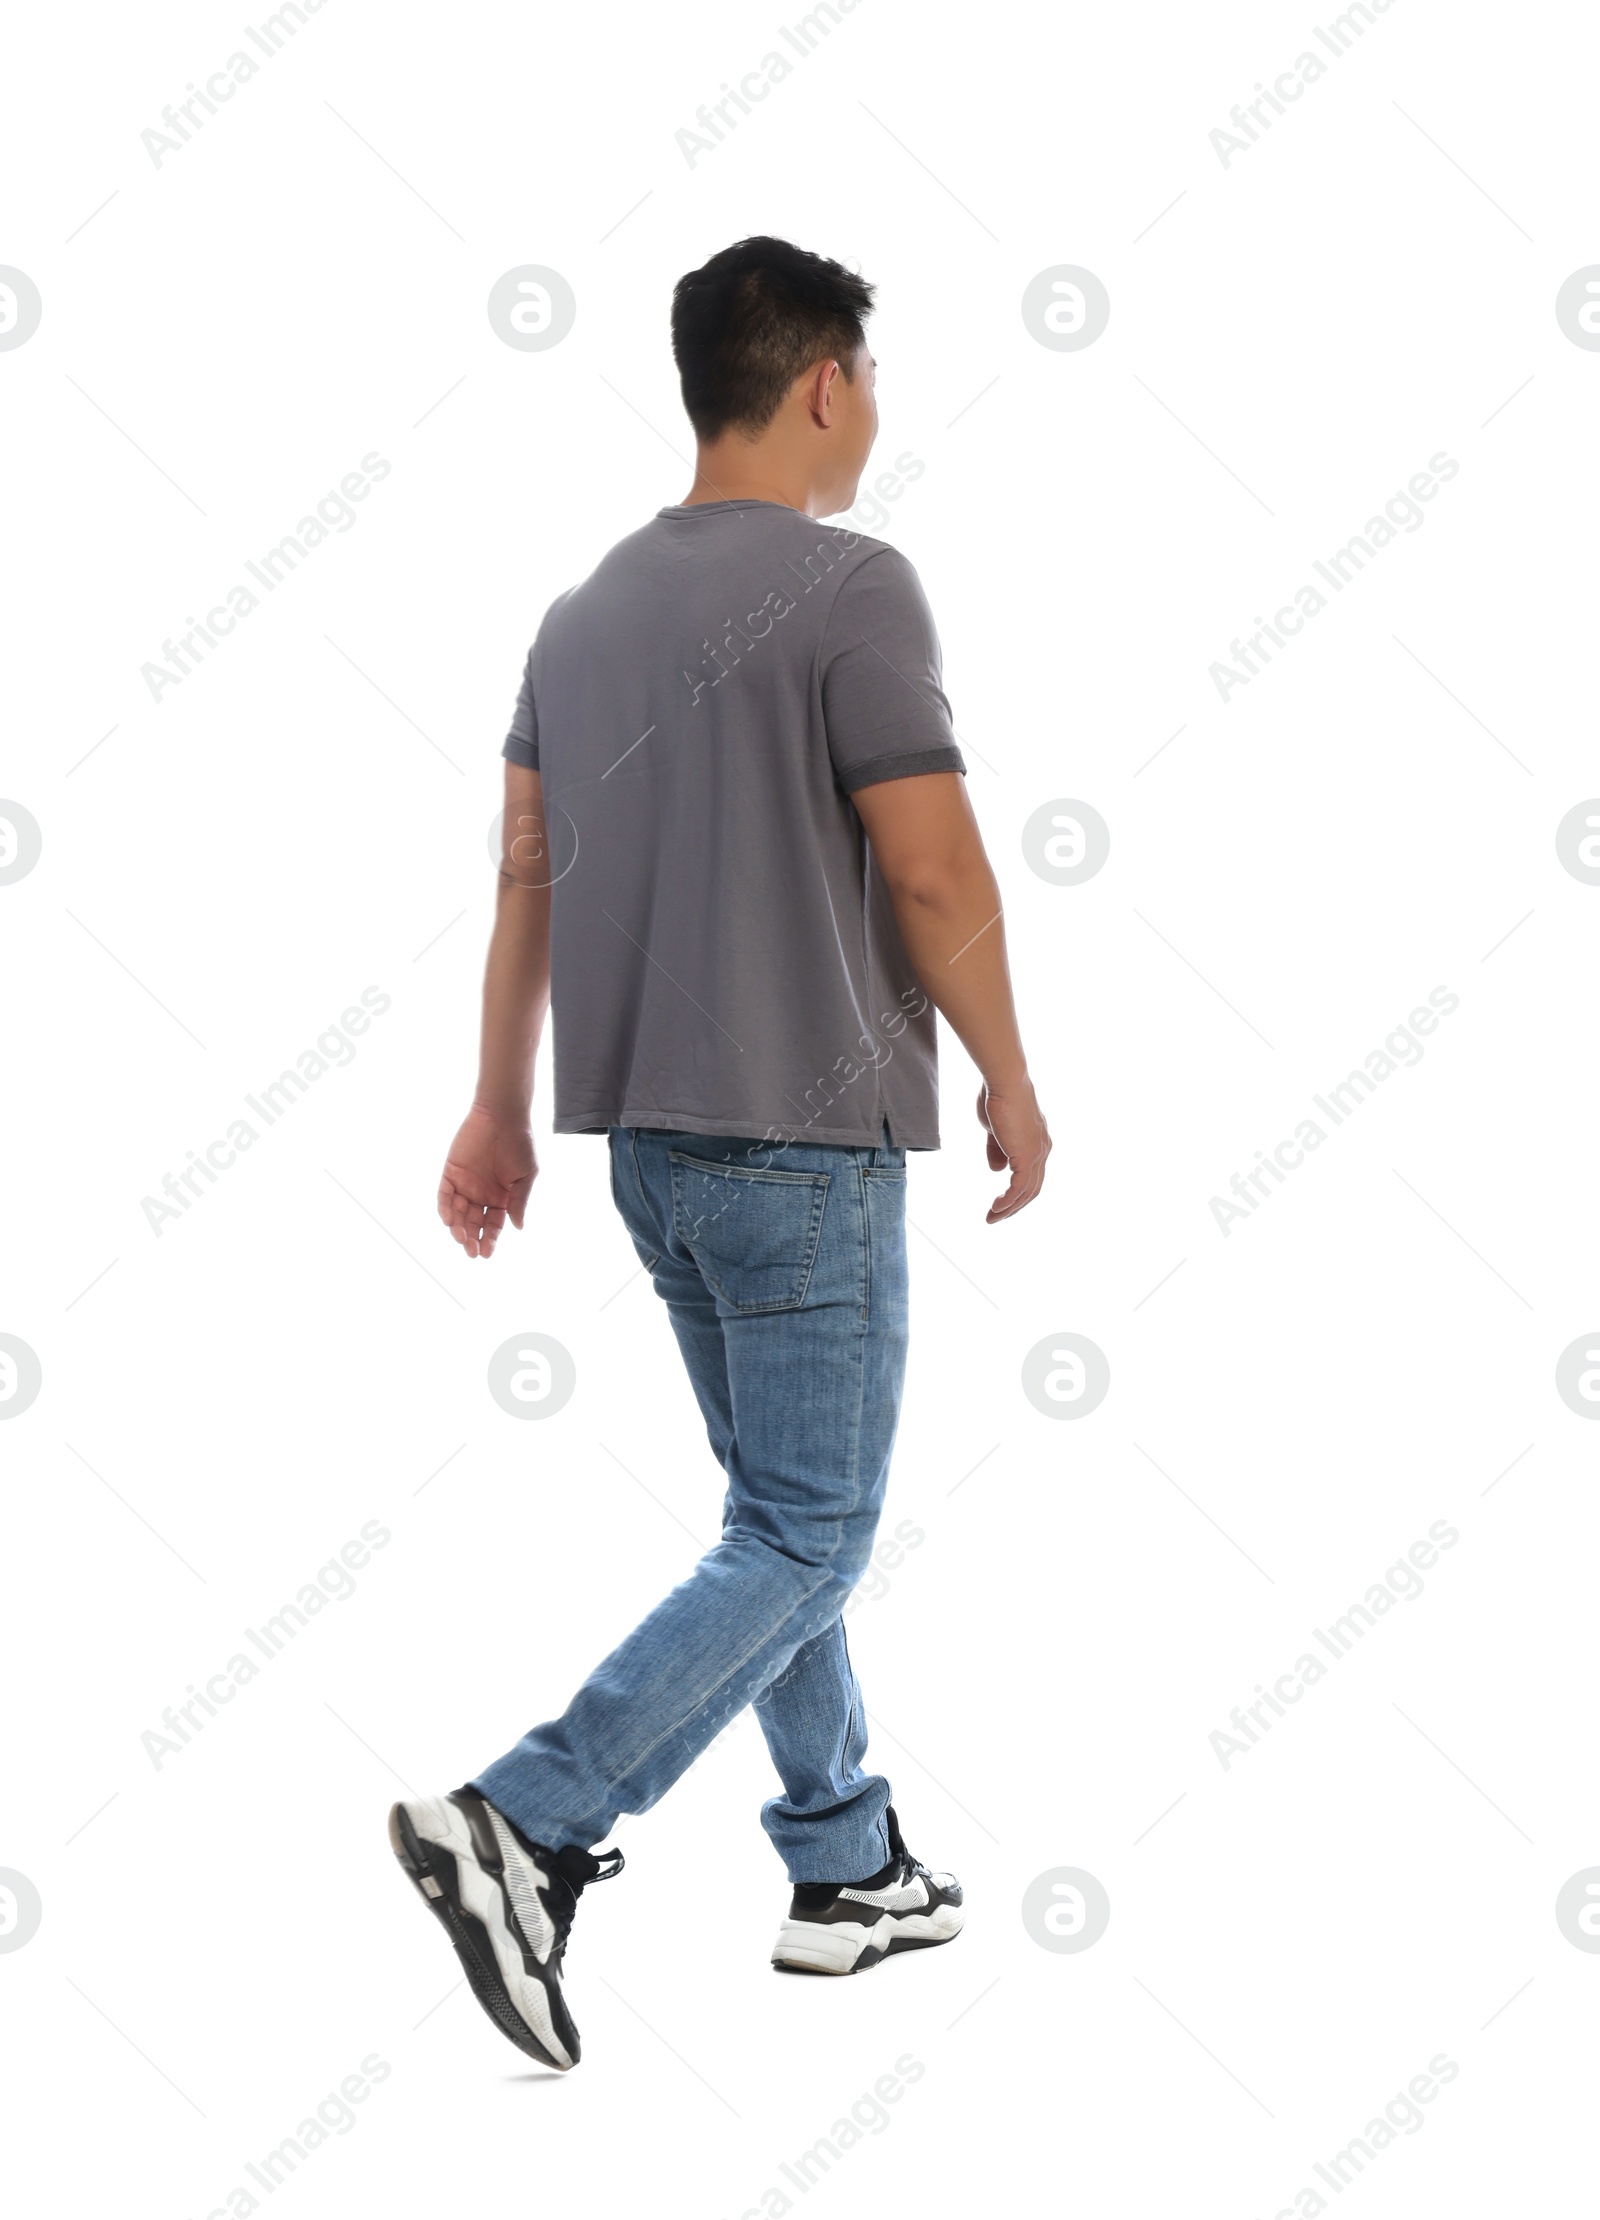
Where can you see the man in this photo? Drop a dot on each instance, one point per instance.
(741, 868)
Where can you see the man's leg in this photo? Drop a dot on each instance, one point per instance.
(829, 1822)
(830, 1814)
(828, 1825)
(802, 1262)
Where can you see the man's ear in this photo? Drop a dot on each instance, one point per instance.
(819, 393)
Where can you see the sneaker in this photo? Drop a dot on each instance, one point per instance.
(507, 1906)
(838, 1928)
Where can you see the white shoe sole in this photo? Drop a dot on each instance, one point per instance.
(840, 1946)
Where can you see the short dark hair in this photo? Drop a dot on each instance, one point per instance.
(749, 321)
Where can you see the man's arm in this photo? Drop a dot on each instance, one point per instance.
(491, 1164)
(926, 843)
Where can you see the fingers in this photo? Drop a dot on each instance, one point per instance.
(1026, 1181)
(476, 1225)
(480, 1232)
(1017, 1196)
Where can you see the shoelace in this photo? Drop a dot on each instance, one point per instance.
(606, 1867)
(573, 1870)
(909, 1866)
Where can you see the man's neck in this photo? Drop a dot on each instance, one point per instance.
(721, 476)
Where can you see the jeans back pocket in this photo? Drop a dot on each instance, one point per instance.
(754, 1234)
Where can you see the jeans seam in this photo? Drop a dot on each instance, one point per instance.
(757, 1175)
(855, 1431)
(858, 1707)
(866, 1249)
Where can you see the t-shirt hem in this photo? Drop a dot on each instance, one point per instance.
(739, 1129)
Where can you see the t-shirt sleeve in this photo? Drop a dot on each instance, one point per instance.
(522, 741)
(883, 701)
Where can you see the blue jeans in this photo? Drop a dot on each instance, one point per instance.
(784, 1274)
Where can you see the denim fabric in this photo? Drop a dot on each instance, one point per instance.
(784, 1274)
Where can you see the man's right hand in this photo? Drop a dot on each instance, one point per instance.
(1018, 1138)
(486, 1180)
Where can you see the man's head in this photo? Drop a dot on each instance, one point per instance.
(771, 350)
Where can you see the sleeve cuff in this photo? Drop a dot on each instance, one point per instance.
(911, 766)
(517, 750)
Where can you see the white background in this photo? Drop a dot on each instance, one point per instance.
(1292, 1939)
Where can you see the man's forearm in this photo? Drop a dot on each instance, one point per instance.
(955, 936)
(516, 995)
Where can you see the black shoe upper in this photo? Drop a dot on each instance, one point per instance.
(817, 1899)
(570, 1870)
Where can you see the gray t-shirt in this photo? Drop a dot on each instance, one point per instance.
(724, 954)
